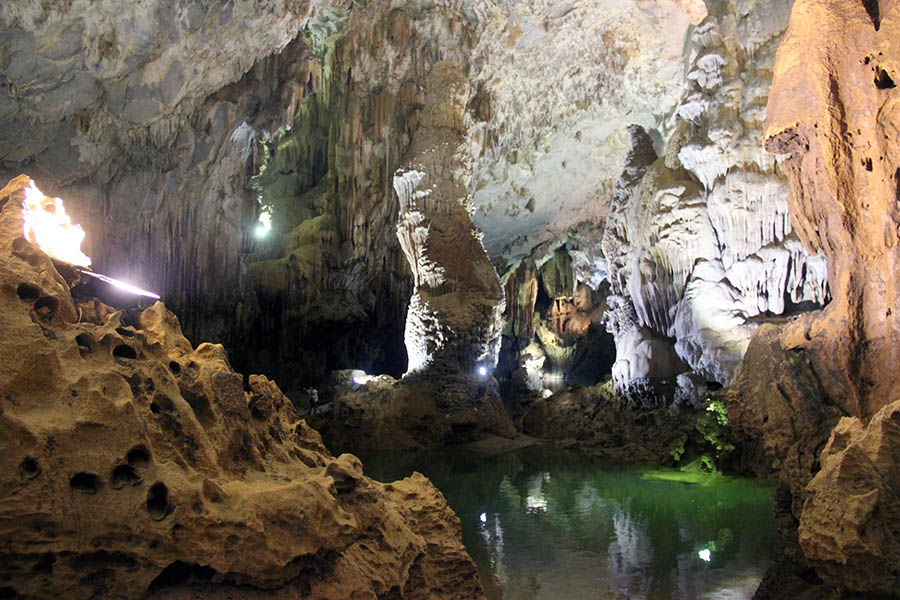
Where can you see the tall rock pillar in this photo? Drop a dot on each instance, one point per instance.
(453, 323)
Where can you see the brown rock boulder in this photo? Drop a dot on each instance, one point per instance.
(850, 526)
(133, 465)
(419, 411)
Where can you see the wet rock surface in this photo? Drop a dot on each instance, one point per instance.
(134, 464)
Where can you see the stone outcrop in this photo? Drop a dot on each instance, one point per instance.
(833, 114)
(418, 412)
(780, 398)
(133, 464)
(849, 524)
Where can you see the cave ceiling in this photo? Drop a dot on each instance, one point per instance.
(564, 81)
(555, 85)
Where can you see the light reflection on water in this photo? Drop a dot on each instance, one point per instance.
(543, 523)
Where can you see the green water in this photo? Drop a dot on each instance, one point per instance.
(543, 523)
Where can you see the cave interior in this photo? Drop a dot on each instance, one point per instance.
(245, 241)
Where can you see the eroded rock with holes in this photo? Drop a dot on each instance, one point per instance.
(132, 464)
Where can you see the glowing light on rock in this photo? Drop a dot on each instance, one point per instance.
(264, 225)
(361, 378)
(47, 225)
(705, 555)
(536, 502)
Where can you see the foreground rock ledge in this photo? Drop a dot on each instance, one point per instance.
(132, 464)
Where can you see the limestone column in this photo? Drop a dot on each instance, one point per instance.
(453, 323)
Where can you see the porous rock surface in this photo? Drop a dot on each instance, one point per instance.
(849, 524)
(133, 464)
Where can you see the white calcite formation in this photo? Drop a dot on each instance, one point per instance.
(453, 321)
(699, 243)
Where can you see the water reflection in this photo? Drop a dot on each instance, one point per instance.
(543, 523)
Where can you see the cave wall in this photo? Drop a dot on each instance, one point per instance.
(830, 421)
(197, 112)
(334, 268)
(310, 108)
(694, 238)
(146, 119)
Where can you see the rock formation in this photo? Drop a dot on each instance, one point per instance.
(126, 109)
(310, 107)
(420, 411)
(833, 113)
(556, 83)
(832, 116)
(453, 322)
(849, 524)
(332, 269)
(134, 464)
(692, 266)
(313, 105)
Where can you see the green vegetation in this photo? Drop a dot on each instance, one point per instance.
(703, 447)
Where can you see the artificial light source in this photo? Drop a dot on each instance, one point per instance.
(264, 224)
(482, 371)
(361, 377)
(46, 224)
(483, 517)
(127, 287)
(705, 555)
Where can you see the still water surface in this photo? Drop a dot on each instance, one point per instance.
(543, 523)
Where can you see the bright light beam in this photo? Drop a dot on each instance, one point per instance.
(127, 287)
